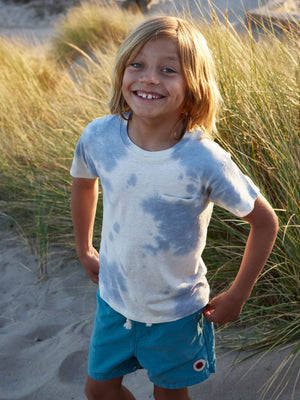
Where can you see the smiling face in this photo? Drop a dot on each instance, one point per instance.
(153, 85)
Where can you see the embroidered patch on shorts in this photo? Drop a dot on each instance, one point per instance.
(199, 365)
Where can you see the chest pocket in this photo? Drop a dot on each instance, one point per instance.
(178, 214)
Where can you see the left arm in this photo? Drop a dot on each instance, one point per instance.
(227, 306)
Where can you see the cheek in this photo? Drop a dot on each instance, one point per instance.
(124, 89)
(127, 78)
(182, 90)
(181, 97)
(126, 84)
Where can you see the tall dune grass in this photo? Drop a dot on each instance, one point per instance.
(259, 125)
(45, 107)
(91, 25)
(43, 110)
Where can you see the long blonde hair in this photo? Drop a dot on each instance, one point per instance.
(202, 98)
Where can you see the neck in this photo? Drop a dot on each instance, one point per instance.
(154, 135)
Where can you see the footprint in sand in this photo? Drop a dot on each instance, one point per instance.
(74, 368)
(44, 332)
(26, 355)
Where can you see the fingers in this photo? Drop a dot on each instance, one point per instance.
(94, 278)
(208, 312)
(94, 274)
(92, 269)
(90, 262)
(221, 310)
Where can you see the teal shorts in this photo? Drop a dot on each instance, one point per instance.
(175, 354)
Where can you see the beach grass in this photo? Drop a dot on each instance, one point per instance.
(259, 125)
(91, 25)
(46, 100)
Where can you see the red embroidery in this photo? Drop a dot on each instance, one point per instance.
(199, 365)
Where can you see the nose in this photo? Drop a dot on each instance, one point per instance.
(149, 76)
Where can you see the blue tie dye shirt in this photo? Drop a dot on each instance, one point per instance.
(156, 211)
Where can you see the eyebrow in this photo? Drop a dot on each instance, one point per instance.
(165, 57)
(172, 58)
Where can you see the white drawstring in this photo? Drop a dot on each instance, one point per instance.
(128, 324)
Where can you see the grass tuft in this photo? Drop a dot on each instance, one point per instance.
(91, 25)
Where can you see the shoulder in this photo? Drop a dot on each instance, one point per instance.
(101, 126)
(205, 150)
(214, 151)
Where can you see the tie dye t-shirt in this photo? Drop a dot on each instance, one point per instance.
(156, 211)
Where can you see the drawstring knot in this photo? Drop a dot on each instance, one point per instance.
(128, 324)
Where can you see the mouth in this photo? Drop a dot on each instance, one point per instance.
(148, 95)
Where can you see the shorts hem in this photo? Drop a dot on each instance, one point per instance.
(116, 374)
(183, 384)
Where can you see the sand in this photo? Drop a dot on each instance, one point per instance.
(45, 325)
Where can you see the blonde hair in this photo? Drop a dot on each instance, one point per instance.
(202, 95)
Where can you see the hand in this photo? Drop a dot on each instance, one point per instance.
(90, 262)
(224, 308)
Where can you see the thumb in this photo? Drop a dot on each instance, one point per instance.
(208, 311)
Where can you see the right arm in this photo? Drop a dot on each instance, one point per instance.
(84, 200)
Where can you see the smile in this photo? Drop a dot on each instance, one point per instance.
(148, 96)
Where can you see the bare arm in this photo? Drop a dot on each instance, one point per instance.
(264, 227)
(83, 205)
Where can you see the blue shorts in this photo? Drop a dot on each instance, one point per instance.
(175, 354)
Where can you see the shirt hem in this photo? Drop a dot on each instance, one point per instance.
(131, 317)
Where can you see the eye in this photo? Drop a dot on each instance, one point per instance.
(136, 65)
(169, 70)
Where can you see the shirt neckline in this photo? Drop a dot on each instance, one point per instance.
(154, 155)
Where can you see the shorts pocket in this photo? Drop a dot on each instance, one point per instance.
(209, 340)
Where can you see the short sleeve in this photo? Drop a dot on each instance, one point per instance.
(82, 165)
(232, 190)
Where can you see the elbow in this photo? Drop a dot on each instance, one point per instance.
(263, 218)
(270, 225)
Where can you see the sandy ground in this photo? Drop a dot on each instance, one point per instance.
(45, 325)
(35, 19)
(45, 328)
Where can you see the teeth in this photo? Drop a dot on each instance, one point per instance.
(148, 96)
